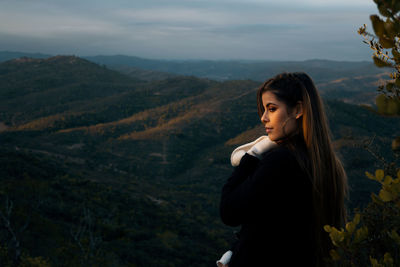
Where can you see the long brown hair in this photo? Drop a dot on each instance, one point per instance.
(320, 163)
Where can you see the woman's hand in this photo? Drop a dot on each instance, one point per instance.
(255, 148)
(223, 262)
(262, 145)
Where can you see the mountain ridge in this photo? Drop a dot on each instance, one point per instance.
(259, 70)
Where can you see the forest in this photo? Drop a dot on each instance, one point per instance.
(104, 166)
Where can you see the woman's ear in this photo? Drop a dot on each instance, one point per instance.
(299, 109)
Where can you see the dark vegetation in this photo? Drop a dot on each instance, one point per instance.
(101, 168)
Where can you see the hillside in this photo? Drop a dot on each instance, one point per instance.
(145, 75)
(119, 171)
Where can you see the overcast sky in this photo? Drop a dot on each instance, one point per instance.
(189, 29)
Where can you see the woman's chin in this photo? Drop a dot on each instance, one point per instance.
(271, 137)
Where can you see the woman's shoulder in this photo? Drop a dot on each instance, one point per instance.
(279, 154)
(282, 160)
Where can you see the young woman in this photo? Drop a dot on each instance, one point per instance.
(287, 185)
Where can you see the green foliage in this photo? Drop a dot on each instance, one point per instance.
(372, 237)
(81, 222)
(387, 46)
(388, 105)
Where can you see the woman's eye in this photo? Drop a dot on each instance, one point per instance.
(271, 109)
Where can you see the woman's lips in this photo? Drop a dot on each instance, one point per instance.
(268, 130)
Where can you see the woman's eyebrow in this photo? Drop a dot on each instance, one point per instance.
(270, 103)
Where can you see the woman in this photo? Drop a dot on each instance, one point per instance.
(288, 185)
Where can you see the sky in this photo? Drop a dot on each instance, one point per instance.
(189, 29)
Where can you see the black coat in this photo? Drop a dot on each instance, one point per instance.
(272, 201)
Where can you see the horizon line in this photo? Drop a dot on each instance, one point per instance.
(48, 55)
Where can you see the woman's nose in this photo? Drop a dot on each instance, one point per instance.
(264, 117)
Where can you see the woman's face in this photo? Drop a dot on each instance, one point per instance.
(278, 119)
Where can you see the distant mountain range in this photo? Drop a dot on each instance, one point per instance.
(322, 70)
(142, 160)
(8, 55)
(352, 82)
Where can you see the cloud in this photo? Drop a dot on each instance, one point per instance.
(53, 24)
(181, 16)
(185, 28)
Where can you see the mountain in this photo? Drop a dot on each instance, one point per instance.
(106, 169)
(150, 69)
(322, 70)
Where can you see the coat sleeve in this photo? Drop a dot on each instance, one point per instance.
(251, 185)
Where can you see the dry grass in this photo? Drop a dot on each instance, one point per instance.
(44, 122)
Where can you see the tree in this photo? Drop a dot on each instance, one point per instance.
(372, 236)
(13, 233)
(87, 239)
(11, 253)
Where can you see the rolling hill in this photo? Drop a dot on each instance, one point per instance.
(107, 168)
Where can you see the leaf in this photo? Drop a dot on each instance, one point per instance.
(361, 234)
(357, 218)
(377, 25)
(388, 181)
(381, 103)
(386, 42)
(390, 29)
(327, 228)
(379, 174)
(393, 106)
(387, 259)
(385, 195)
(380, 63)
(361, 31)
(374, 262)
(383, 10)
(336, 236)
(395, 187)
(351, 226)
(396, 147)
(395, 236)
